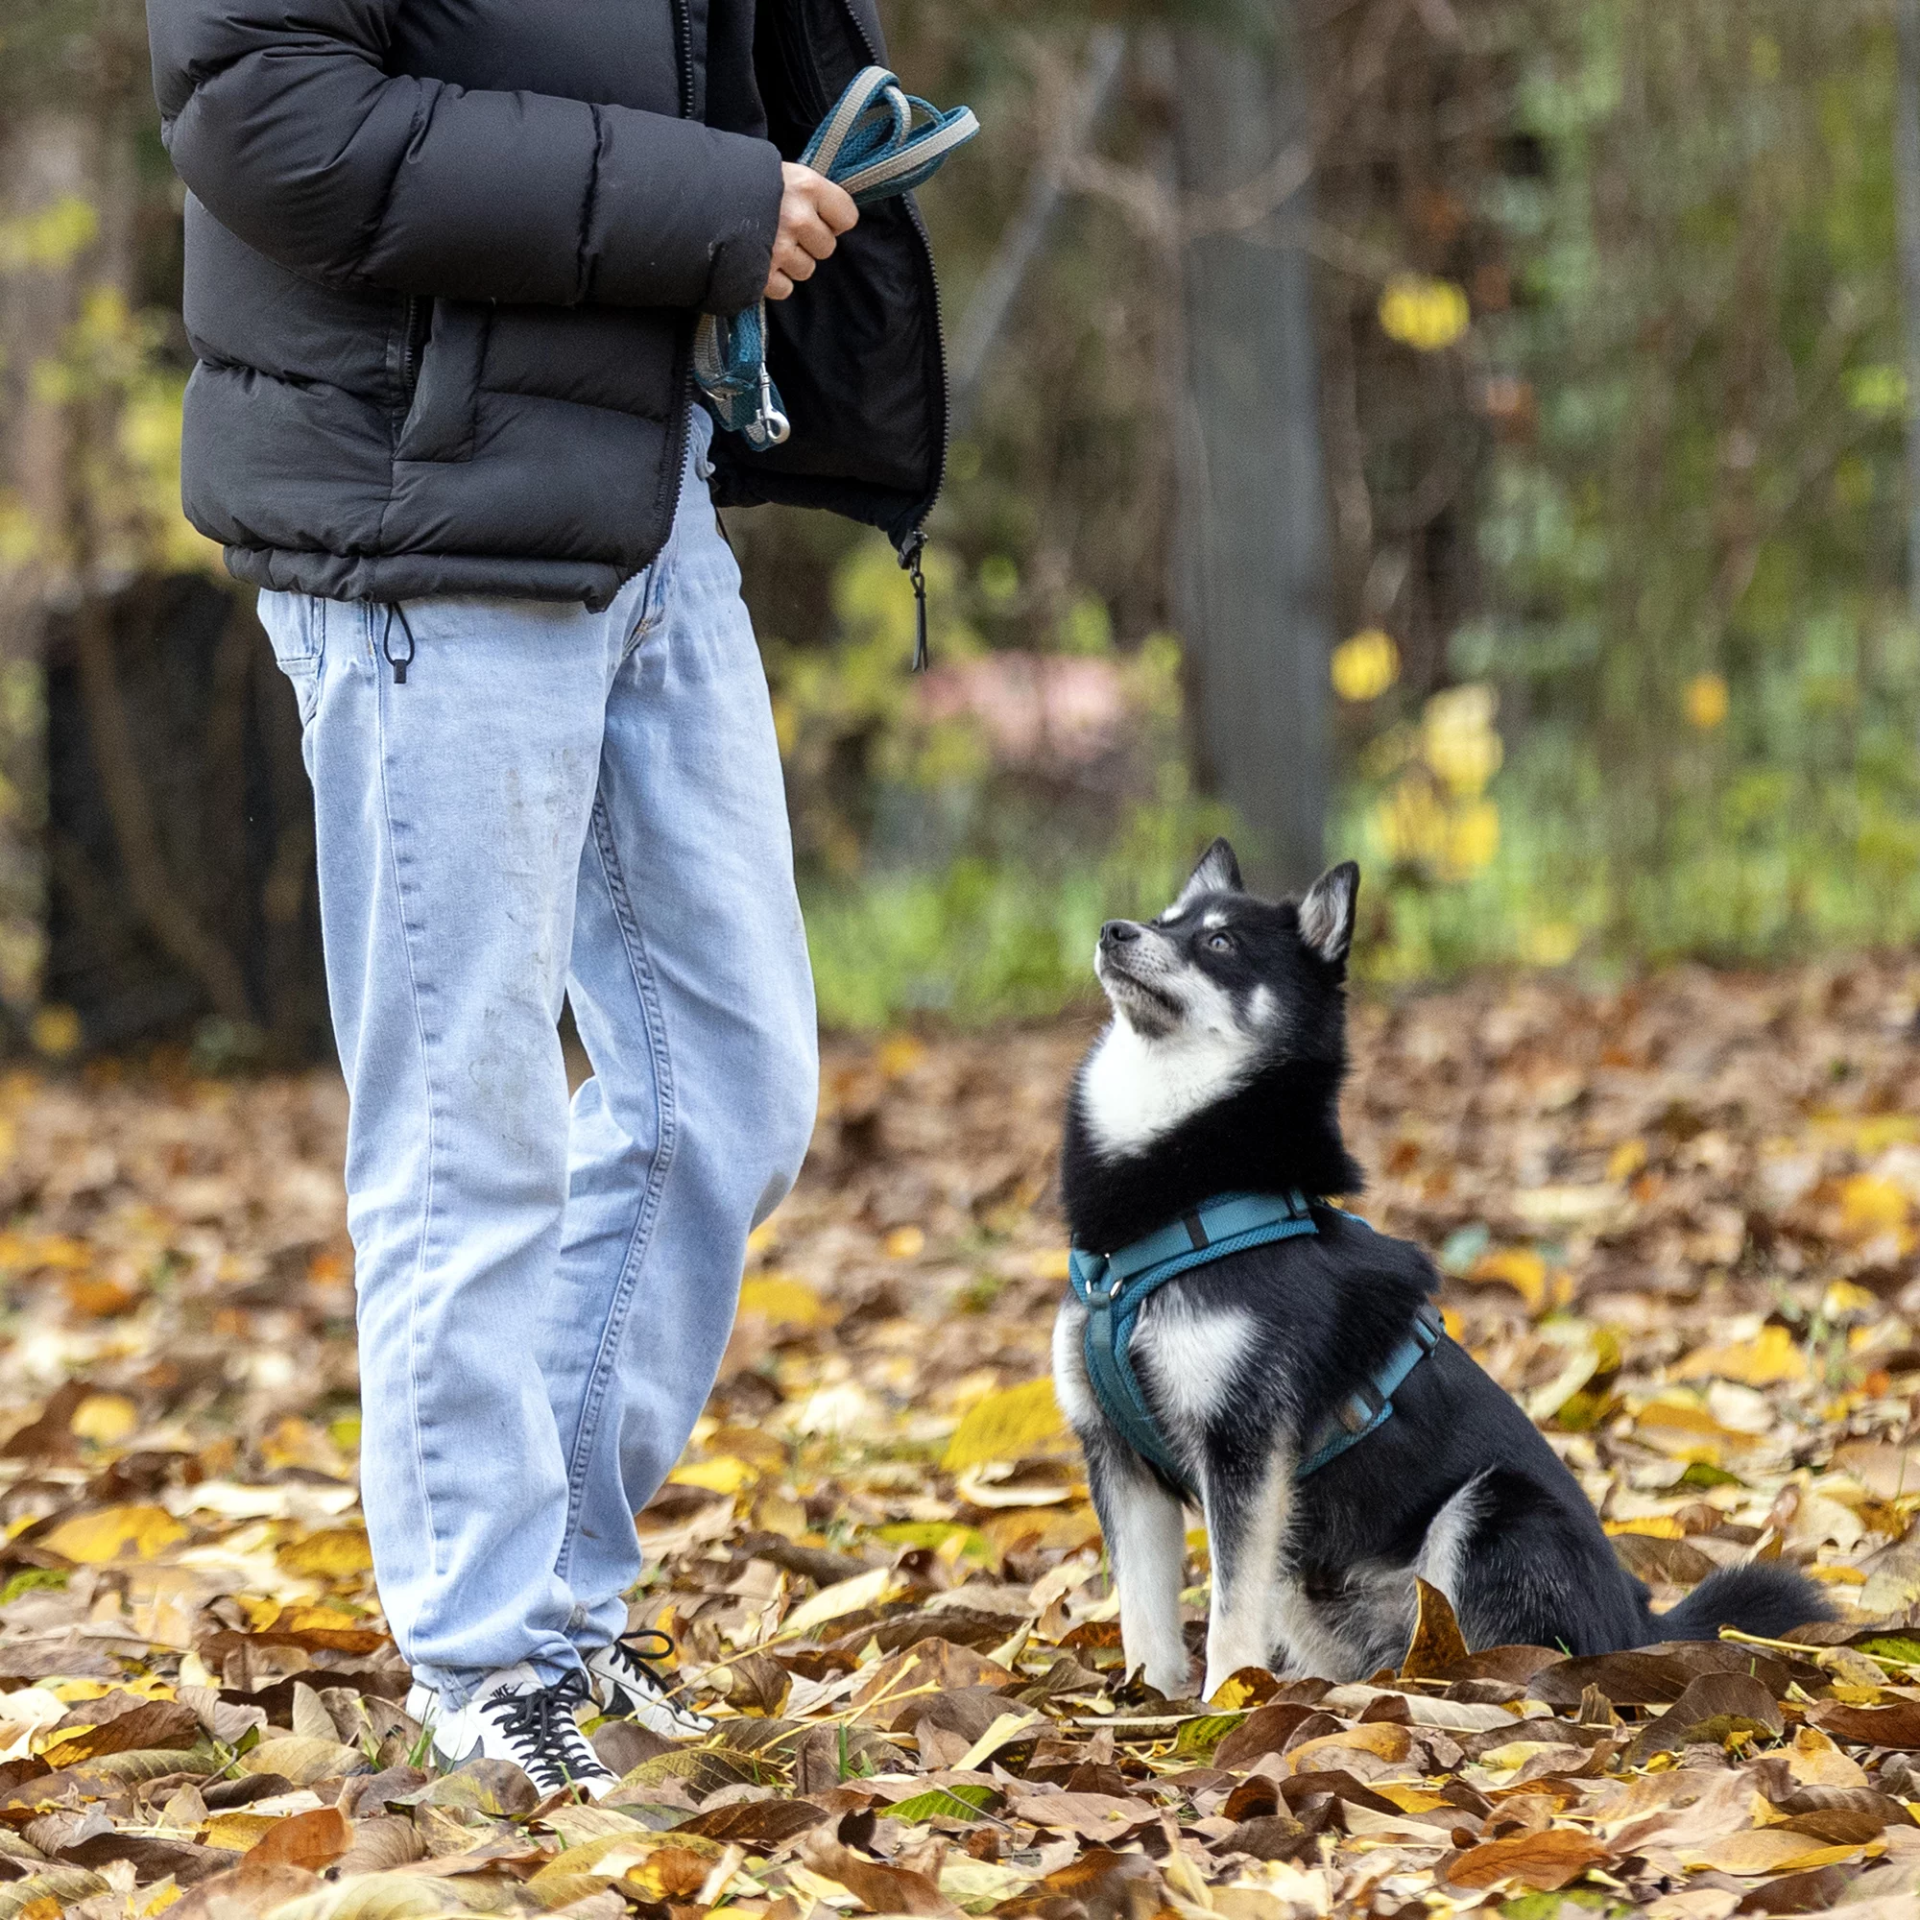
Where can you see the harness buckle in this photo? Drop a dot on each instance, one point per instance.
(1361, 1408)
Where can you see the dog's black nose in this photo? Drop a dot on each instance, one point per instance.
(1116, 933)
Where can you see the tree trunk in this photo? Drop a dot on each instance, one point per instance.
(1906, 185)
(1254, 572)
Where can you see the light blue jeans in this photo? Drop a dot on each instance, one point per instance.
(554, 801)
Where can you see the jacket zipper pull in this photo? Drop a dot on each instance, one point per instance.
(399, 662)
(910, 560)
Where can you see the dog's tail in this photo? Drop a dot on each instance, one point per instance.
(1761, 1597)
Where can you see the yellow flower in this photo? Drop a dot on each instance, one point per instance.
(1459, 742)
(1706, 701)
(56, 1030)
(1365, 666)
(1423, 313)
(1473, 836)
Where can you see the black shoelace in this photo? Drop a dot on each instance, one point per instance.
(643, 1663)
(540, 1720)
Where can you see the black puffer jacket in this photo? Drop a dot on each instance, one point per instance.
(444, 262)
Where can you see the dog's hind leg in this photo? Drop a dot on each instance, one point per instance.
(1147, 1550)
(1249, 1504)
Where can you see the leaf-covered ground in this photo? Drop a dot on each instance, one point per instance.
(1679, 1222)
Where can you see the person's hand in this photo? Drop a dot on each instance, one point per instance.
(813, 215)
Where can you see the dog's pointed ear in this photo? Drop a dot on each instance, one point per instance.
(1326, 914)
(1218, 872)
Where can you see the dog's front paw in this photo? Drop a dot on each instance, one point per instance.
(1174, 1681)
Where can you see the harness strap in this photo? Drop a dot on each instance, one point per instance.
(1114, 1286)
(878, 141)
(1371, 1406)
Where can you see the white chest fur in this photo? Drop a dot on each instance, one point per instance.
(1133, 1089)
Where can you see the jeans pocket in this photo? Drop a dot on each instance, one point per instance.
(296, 627)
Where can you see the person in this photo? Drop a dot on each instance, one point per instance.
(444, 264)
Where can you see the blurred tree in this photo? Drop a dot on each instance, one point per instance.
(1254, 581)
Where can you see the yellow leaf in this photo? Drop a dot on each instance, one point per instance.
(55, 1031)
(1055, 1264)
(899, 1053)
(1767, 1850)
(906, 1243)
(93, 1539)
(727, 1473)
(1519, 1268)
(1627, 1159)
(1653, 1526)
(1838, 1576)
(104, 1418)
(1842, 1300)
(1411, 1799)
(1771, 1360)
(237, 1831)
(1007, 1426)
(331, 1554)
(1365, 666)
(871, 1589)
(1423, 313)
(1008, 1728)
(1870, 1204)
(783, 1301)
(1706, 701)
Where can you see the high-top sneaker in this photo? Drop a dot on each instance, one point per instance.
(513, 1716)
(627, 1686)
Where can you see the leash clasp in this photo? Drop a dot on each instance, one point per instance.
(774, 424)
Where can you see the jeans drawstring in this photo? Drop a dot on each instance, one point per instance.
(399, 662)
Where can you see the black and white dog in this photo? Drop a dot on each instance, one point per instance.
(1221, 1072)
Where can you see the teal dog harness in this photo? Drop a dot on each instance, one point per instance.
(1113, 1287)
(878, 141)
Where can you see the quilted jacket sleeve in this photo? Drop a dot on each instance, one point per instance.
(281, 118)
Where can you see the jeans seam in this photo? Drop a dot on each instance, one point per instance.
(433, 1113)
(601, 1374)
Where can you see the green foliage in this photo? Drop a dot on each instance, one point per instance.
(1695, 605)
(979, 938)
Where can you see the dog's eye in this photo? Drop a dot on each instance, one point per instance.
(1220, 943)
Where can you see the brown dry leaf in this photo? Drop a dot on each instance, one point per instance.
(158, 1723)
(1896, 1724)
(312, 1840)
(934, 1665)
(878, 1888)
(1716, 1707)
(1094, 1816)
(1545, 1861)
(1437, 1640)
(302, 1760)
(1385, 1739)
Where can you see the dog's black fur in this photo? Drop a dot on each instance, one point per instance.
(1239, 1006)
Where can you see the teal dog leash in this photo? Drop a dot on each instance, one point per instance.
(878, 141)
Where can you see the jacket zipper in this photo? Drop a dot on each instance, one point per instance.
(683, 31)
(677, 438)
(410, 343)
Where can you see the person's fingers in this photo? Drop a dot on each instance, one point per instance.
(793, 260)
(834, 204)
(779, 287)
(814, 235)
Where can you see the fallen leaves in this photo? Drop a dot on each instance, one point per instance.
(1674, 1231)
